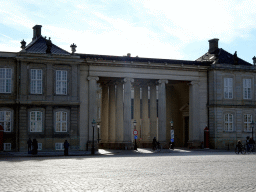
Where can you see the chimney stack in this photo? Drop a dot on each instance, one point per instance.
(213, 45)
(36, 32)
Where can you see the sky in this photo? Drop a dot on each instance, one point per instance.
(167, 29)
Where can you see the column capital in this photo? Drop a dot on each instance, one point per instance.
(194, 82)
(160, 81)
(126, 79)
(93, 78)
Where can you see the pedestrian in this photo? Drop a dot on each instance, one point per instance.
(247, 143)
(29, 142)
(154, 143)
(66, 145)
(35, 146)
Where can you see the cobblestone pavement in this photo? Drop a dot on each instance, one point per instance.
(180, 170)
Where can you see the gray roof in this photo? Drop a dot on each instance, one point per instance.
(220, 56)
(39, 46)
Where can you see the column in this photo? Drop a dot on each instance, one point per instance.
(112, 113)
(92, 106)
(127, 111)
(119, 112)
(194, 108)
(104, 114)
(136, 106)
(145, 125)
(153, 111)
(162, 110)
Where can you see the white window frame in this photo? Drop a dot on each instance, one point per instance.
(247, 122)
(36, 81)
(61, 82)
(7, 146)
(228, 88)
(228, 122)
(4, 121)
(39, 146)
(37, 123)
(59, 146)
(5, 80)
(61, 121)
(247, 89)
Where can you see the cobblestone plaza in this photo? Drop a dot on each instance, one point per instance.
(179, 170)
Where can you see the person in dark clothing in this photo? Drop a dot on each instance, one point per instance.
(154, 143)
(29, 142)
(66, 145)
(35, 146)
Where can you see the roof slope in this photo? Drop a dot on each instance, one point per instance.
(141, 59)
(39, 46)
(220, 56)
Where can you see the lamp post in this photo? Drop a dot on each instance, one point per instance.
(252, 123)
(134, 125)
(93, 125)
(98, 127)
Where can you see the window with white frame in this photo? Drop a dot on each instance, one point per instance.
(228, 122)
(7, 146)
(5, 80)
(59, 146)
(61, 121)
(36, 81)
(228, 88)
(36, 124)
(5, 120)
(61, 82)
(39, 146)
(247, 89)
(247, 122)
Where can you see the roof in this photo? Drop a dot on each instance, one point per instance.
(220, 56)
(39, 46)
(141, 59)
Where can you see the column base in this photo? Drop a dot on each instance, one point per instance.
(120, 146)
(194, 144)
(89, 146)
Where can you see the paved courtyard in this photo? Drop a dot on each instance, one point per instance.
(180, 170)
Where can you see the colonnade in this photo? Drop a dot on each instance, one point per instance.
(116, 119)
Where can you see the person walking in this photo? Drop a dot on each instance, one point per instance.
(29, 142)
(66, 145)
(35, 146)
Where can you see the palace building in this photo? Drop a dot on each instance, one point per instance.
(53, 95)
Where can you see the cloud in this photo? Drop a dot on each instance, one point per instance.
(202, 19)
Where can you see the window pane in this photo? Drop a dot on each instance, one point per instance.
(64, 116)
(58, 126)
(57, 116)
(32, 126)
(7, 115)
(39, 126)
(32, 116)
(8, 126)
(1, 115)
(64, 126)
(8, 73)
(2, 73)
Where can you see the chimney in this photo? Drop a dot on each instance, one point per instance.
(36, 32)
(213, 45)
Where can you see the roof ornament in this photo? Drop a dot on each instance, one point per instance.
(73, 48)
(49, 45)
(235, 58)
(254, 60)
(23, 44)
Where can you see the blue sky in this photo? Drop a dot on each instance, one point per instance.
(167, 29)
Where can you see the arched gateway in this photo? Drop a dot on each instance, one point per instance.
(153, 92)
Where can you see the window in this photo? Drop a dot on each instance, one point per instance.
(39, 146)
(61, 82)
(228, 122)
(247, 88)
(247, 122)
(5, 120)
(59, 146)
(5, 80)
(7, 146)
(36, 81)
(228, 88)
(61, 121)
(36, 121)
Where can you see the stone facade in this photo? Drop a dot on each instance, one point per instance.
(54, 96)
